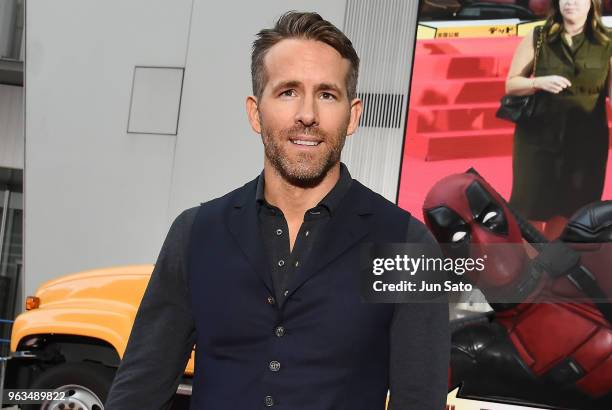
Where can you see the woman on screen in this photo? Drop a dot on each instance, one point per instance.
(560, 155)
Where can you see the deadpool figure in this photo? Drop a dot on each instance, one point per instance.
(548, 341)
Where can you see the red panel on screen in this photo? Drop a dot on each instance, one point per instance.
(455, 91)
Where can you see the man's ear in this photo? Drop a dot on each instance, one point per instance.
(253, 113)
(356, 110)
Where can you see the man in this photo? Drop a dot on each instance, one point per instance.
(265, 279)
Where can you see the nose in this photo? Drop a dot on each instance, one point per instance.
(307, 113)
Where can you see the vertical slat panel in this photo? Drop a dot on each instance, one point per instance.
(382, 32)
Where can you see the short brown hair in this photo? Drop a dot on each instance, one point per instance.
(309, 26)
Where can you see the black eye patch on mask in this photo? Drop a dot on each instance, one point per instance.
(485, 210)
(451, 231)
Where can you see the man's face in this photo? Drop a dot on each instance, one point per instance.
(304, 114)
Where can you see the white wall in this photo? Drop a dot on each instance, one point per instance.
(11, 127)
(95, 195)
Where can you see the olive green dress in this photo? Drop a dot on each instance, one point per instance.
(559, 157)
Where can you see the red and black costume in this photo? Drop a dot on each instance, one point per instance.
(529, 349)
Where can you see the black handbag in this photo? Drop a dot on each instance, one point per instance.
(520, 108)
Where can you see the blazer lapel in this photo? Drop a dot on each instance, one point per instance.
(244, 226)
(346, 227)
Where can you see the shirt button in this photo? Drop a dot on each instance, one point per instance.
(279, 232)
(279, 331)
(271, 300)
(297, 263)
(274, 366)
(306, 233)
(281, 262)
(286, 293)
(269, 401)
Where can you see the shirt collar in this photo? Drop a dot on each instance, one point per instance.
(331, 201)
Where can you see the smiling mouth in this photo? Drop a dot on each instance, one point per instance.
(306, 143)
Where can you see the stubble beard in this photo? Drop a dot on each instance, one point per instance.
(306, 170)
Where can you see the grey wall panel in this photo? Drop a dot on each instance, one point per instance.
(216, 148)
(155, 100)
(95, 195)
(11, 127)
(383, 33)
(7, 26)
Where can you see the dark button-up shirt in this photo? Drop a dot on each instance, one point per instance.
(275, 231)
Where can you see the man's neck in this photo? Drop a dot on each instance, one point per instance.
(293, 200)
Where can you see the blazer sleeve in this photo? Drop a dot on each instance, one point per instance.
(420, 345)
(163, 334)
